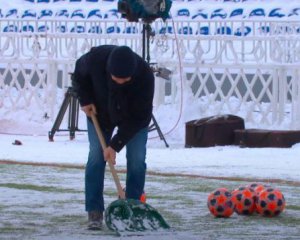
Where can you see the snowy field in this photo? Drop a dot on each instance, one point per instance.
(47, 202)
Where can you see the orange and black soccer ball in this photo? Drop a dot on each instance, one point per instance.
(219, 203)
(244, 200)
(270, 202)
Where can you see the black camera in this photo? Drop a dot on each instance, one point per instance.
(147, 10)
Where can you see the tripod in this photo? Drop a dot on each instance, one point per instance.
(146, 50)
(72, 102)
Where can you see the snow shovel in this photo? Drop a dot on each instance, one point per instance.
(131, 215)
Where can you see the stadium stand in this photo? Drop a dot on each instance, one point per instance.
(258, 12)
(237, 13)
(78, 13)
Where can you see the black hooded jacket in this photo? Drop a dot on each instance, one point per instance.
(128, 106)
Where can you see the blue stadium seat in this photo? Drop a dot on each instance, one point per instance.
(264, 29)
(27, 28)
(75, 0)
(61, 29)
(258, 12)
(62, 13)
(92, 0)
(78, 13)
(237, 12)
(30, 1)
(1, 15)
(95, 13)
(131, 29)
(242, 31)
(164, 30)
(113, 29)
(203, 30)
(43, 1)
(10, 28)
(45, 13)
(186, 30)
(111, 13)
(183, 12)
(199, 14)
(218, 13)
(29, 14)
(224, 30)
(78, 29)
(59, 0)
(276, 13)
(95, 29)
(295, 12)
(13, 13)
(43, 28)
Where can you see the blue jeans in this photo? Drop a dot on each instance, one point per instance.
(95, 168)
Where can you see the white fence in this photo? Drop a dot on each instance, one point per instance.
(247, 68)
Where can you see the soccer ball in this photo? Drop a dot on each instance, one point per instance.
(270, 202)
(257, 188)
(219, 203)
(244, 200)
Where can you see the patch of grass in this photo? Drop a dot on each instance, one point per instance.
(38, 188)
(293, 207)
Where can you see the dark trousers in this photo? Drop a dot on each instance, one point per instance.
(95, 168)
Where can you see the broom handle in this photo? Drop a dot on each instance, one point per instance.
(111, 166)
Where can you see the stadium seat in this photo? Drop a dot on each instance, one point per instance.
(165, 30)
(29, 14)
(10, 28)
(224, 30)
(186, 30)
(78, 29)
(131, 29)
(62, 13)
(45, 13)
(203, 30)
(12, 13)
(94, 13)
(92, 0)
(95, 29)
(264, 29)
(242, 31)
(27, 28)
(218, 13)
(1, 15)
(199, 14)
(237, 13)
(113, 29)
(276, 13)
(294, 12)
(78, 13)
(183, 12)
(259, 12)
(43, 1)
(43, 28)
(112, 13)
(29, 1)
(75, 0)
(61, 29)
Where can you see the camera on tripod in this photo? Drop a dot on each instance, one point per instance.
(147, 10)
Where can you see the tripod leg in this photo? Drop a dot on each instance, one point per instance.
(72, 117)
(60, 116)
(156, 127)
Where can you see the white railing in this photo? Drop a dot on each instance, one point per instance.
(255, 76)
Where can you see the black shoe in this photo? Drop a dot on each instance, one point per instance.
(95, 220)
